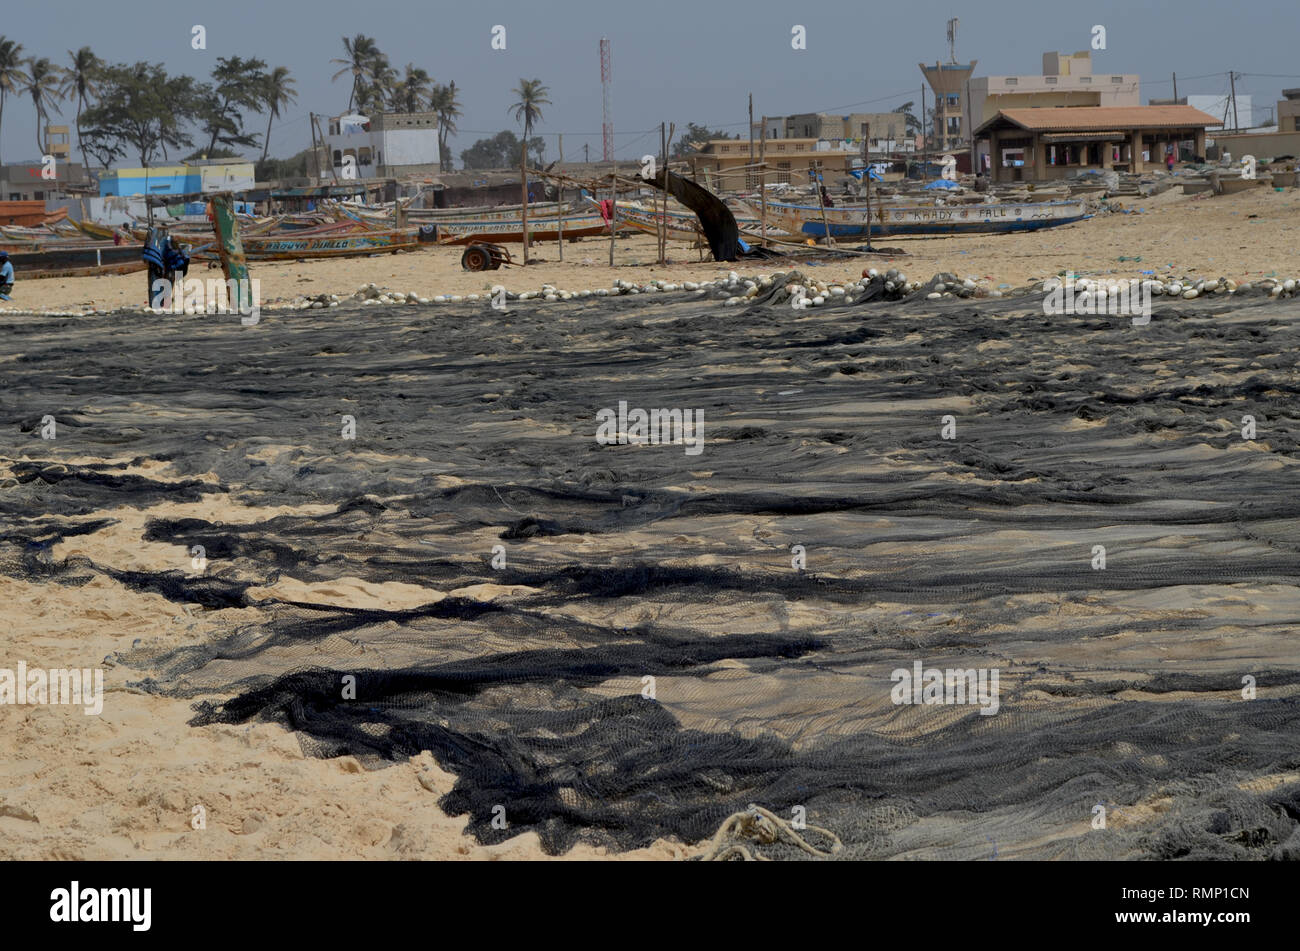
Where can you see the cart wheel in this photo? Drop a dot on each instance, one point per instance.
(476, 258)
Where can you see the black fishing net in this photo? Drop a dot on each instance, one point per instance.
(654, 653)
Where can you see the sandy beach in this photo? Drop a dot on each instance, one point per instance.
(523, 685)
(1242, 236)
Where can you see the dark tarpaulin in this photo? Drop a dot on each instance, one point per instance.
(716, 219)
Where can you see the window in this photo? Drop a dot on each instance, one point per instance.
(38, 196)
(1011, 81)
(338, 159)
(363, 156)
(14, 196)
(1085, 79)
(1050, 80)
(1117, 79)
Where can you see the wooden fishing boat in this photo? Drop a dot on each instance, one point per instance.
(682, 226)
(893, 219)
(458, 231)
(330, 244)
(71, 259)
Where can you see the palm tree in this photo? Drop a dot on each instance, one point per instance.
(43, 83)
(383, 82)
(361, 53)
(410, 94)
(277, 91)
(443, 101)
(82, 79)
(532, 96)
(12, 76)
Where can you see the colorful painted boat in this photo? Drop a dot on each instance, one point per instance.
(891, 219)
(332, 244)
(572, 225)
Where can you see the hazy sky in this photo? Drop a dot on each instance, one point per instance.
(673, 60)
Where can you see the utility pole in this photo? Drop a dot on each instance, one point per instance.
(751, 129)
(1232, 80)
(586, 153)
(1175, 88)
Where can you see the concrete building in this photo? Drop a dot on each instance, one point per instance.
(1067, 80)
(58, 142)
(951, 128)
(25, 182)
(1288, 111)
(187, 178)
(888, 130)
(720, 163)
(836, 128)
(1051, 143)
(385, 145)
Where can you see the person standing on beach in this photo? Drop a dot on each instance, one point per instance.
(1169, 161)
(6, 276)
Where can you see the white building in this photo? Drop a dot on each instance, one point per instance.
(387, 145)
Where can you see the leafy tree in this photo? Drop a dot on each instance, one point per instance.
(277, 90)
(80, 79)
(294, 167)
(411, 93)
(501, 151)
(43, 82)
(359, 61)
(141, 109)
(239, 84)
(911, 124)
(693, 136)
(443, 101)
(528, 108)
(13, 78)
(372, 95)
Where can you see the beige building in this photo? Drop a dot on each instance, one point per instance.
(949, 83)
(1288, 111)
(1051, 143)
(1067, 80)
(833, 128)
(720, 164)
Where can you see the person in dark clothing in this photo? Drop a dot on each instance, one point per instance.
(6, 276)
(826, 199)
(165, 258)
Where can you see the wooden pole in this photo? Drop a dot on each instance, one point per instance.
(866, 175)
(1232, 79)
(663, 218)
(751, 128)
(613, 209)
(559, 194)
(762, 183)
(830, 242)
(925, 140)
(230, 249)
(1175, 88)
(523, 187)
